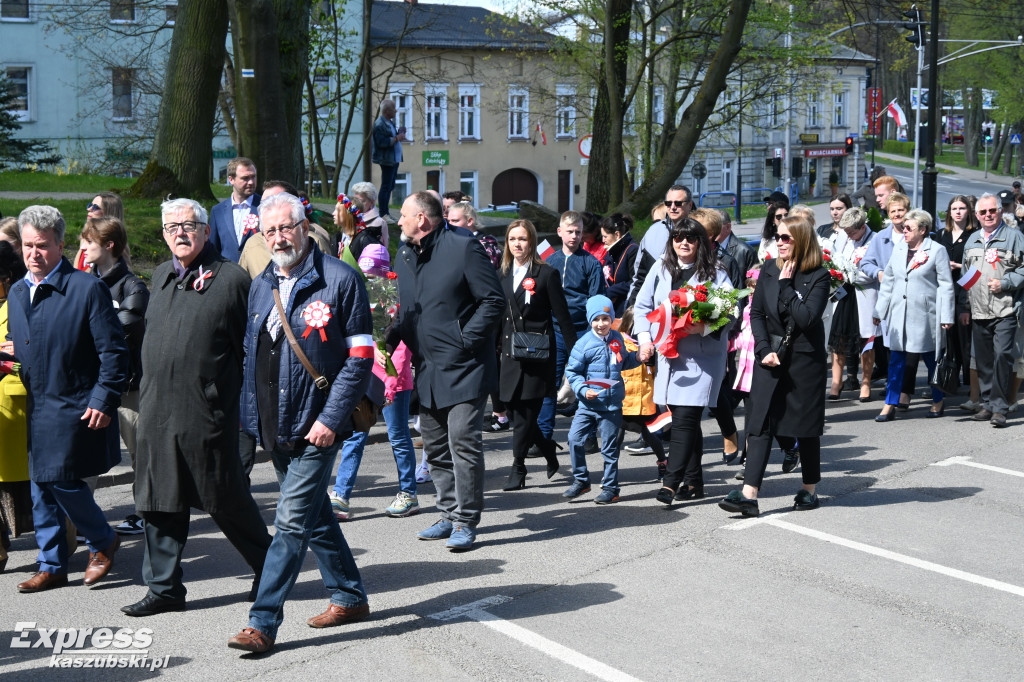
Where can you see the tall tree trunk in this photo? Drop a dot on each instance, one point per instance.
(998, 147)
(293, 48)
(618, 14)
(972, 124)
(685, 140)
(600, 154)
(182, 149)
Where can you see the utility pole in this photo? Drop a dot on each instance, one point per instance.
(787, 161)
(931, 173)
(916, 38)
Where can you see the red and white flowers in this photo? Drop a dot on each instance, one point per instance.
(919, 259)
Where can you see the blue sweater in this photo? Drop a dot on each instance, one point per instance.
(591, 359)
(582, 277)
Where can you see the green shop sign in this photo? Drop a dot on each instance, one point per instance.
(435, 158)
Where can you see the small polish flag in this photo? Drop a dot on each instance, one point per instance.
(970, 278)
(659, 422)
(543, 137)
(603, 384)
(896, 112)
(360, 346)
(545, 249)
(869, 345)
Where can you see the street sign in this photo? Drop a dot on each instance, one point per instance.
(809, 138)
(699, 170)
(778, 152)
(586, 142)
(1015, 138)
(435, 158)
(827, 151)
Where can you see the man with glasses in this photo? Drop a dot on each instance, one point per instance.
(188, 409)
(995, 300)
(300, 420)
(679, 202)
(234, 220)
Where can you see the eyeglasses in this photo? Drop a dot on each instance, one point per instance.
(988, 211)
(675, 204)
(190, 227)
(908, 228)
(284, 231)
(93, 207)
(679, 237)
(780, 216)
(783, 238)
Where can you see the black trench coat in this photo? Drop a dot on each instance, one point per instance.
(793, 393)
(191, 382)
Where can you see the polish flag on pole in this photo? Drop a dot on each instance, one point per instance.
(545, 249)
(970, 278)
(896, 112)
(659, 422)
(603, 384)
(543, 137)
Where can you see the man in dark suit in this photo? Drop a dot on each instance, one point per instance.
(448, 317)
(235, 219)
(74, 363)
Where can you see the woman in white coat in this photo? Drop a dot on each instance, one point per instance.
(690, 382)
(916, 298)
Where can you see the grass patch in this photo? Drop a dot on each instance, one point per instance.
(950, 156)
(28, 181)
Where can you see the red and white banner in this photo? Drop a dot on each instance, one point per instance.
(360, 346)
(970, 278)
(896, 112)
(544, 249)
(603, 384)
(659, 422)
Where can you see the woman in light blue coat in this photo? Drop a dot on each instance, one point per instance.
(690, 382)
(915, 299)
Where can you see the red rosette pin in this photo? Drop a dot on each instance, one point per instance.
(251, 225)
(316, 315)
(615, 347)
(992, 257)
(529, 286)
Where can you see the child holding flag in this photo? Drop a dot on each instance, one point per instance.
(594, 372)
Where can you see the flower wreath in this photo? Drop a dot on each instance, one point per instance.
(351, 208)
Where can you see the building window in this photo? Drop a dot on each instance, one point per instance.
(322, 93)
(403, 188)
(122, 11)
(170, 13)
(518, 113)
(14, 9)
(659, 106)
(469, 112)
(401, 95)
(813, 111)
(839, 110)
(467, 183)
(122, 84)
(436, 111)
(20, 81)
(727, 176)
(565, 111)
(776, 110)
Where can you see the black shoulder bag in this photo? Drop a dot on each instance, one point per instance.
(527, 346)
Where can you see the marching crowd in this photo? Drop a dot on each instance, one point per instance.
(288, 351)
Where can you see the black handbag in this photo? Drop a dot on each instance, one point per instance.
(528, 346)
(947, 374)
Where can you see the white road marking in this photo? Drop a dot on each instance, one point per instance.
(966, 461)
(475, 611)
(893, 556)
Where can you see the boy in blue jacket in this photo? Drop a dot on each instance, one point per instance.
(594, 373)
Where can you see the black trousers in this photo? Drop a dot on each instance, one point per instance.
(686, 448)
(759, 448)
(167, 532)
(525, 430)
(246, 453)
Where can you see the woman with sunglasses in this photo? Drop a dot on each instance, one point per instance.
(688, 383)
(768, 249)
(103, 205)
(915, 298)
(961, 222)
(787, 396)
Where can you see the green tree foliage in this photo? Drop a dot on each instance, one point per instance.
(14, 150)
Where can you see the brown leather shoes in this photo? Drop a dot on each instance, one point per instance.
(339, 615)
(100, 563)
(251, 640)
(42, 581)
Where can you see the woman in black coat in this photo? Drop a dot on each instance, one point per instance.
(787, 396)
(533, 292)
(620, 254)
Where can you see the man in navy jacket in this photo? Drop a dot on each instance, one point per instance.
(235, 219)
(74, 363)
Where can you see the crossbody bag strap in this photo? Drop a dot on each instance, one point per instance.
(319, 379)
(513, 312)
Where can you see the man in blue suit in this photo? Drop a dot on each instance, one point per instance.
(235, 219)
(74, 363)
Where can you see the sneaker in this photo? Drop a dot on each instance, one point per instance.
(439, 531)
(576, 489)
(416, 425)
(131, 526)
(423, 474)
(404, 505)
(461, 538)
(970, 406)
(606, 497)
(805, 501)
(497, 425)
(790, 461)
(339, 505)
(639, 447)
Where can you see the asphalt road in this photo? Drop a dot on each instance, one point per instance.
(909, 570)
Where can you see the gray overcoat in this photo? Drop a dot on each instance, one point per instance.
(916, 302)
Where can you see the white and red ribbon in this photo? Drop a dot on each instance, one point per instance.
(360, 346)
(992, 257)
(528, 286)
(317, 314)
(615, 347)
(200, 280)
(919, 259)
(251, 225)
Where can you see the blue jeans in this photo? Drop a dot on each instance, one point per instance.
(607, 424)
(304, 519)
(396, 416)
(897, 366)
(388, 175)
(50, 503)
(546, 419)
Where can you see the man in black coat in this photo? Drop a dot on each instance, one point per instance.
(189, 409)
(450, 302)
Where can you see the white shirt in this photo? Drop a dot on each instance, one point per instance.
(518, 274)
(239, 212)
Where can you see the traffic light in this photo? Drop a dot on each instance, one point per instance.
(849, 145)
(916, 28)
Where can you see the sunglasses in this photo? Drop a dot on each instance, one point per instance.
(780, 216)
(93, 207)
(676, 204)
(988, 211)
(679, 237)
(783, 238)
